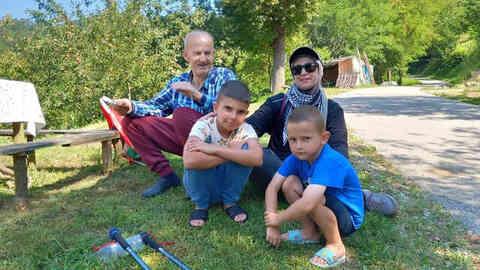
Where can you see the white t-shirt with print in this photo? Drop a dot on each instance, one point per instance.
(207, 131)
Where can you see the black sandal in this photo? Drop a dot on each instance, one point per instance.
(234, 211)
(198, 214)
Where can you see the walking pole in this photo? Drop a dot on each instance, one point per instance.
(115, 235)
(149, 241)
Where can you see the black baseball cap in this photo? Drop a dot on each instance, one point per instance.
(303, 51)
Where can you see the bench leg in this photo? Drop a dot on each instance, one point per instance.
(21, 180)
(32, 159)
(107, 156)
(117, 146)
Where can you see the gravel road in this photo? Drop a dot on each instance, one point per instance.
(433, 141)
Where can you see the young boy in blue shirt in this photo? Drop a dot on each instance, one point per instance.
(219, 155)
(320, 185)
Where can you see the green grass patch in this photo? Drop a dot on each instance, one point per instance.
(73, 206)
(460, 93)
(331, 92)
(409, 81)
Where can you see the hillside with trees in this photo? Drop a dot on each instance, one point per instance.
(130, 48)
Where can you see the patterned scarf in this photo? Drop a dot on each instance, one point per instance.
(296, 98)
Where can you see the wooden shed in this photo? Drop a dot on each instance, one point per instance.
(347, 72)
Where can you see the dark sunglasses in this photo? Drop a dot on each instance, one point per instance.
(309, 68)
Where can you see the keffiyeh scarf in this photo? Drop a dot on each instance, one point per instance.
(297, 98)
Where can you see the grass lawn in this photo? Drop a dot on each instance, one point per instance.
(331, 92)
(73, 206)
(461, 93)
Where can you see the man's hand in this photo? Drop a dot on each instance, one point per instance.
(273, 236)
(187, 89)
(272, 219)
(123, 106)
(199, 146)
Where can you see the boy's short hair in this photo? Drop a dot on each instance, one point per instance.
(236, 90)
(308, 113)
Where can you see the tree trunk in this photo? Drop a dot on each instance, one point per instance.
(278, 70)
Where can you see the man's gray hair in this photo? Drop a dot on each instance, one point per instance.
(195, 33)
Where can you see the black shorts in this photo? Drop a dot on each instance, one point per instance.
(344, 219)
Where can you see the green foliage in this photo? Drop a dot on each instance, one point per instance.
(392, 33)
(129, 52)
(13, 31)
(255, 22)
(260, 28)
(407, 81)
(251, 66)
(115, 53)
(132, 49)
(343, 26)
(472, 16)
(454, 51)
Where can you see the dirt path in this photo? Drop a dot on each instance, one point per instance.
(433, 141)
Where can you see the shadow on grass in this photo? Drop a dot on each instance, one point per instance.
(81, 172)
(79, 176)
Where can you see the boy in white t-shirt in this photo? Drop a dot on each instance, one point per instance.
(219, 155)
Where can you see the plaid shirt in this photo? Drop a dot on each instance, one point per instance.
(167, 100)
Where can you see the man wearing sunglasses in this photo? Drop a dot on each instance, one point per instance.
(271, 117)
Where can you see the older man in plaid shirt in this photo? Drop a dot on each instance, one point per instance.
(186, 97)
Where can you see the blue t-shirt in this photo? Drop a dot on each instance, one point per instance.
(333, 170)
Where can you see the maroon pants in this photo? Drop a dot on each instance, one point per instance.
(152, 134)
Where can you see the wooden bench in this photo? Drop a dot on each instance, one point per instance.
(17, 134)
(20, 151)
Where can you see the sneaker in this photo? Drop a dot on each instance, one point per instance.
(381, 203)
(162, 185)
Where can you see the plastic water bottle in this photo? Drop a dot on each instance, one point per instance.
(112, 250)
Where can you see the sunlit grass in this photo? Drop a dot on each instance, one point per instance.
(469, 95)
(73, 206)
